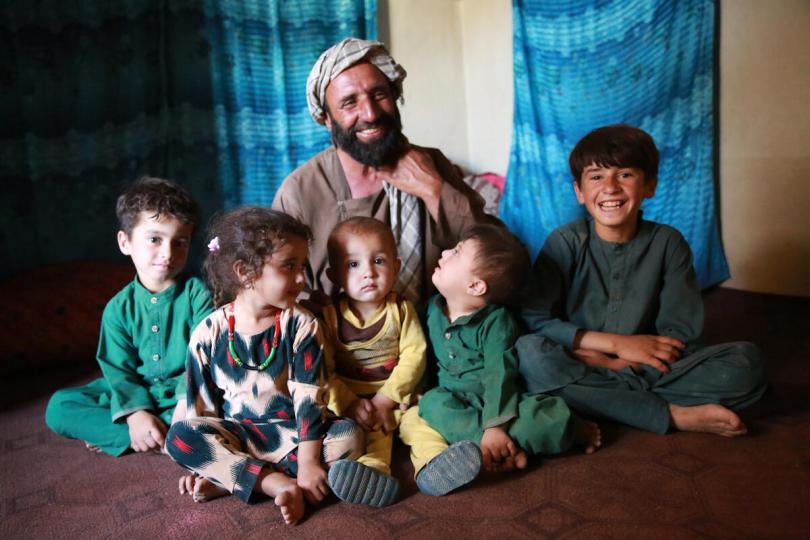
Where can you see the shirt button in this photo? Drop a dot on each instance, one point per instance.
(155, 357)
(451, 355)
(155, 328)
(614, 309)
(447, 335)
(153, 299)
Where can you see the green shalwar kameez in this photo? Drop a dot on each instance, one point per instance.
(644, 286)
(143, 343)
(479, 386)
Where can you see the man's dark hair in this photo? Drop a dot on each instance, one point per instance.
(618, 145)
(157, 196)
(501, 261)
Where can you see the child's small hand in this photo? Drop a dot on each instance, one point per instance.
(312, 479)
(655, 351)
(497, 449)
(147, 432)
(362, 412)
(384, 413)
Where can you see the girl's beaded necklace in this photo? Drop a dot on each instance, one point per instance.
(270, 356)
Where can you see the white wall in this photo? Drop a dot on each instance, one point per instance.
(459, 98)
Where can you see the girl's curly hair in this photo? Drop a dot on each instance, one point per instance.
(249, 234)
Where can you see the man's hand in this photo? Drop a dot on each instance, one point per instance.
(147, 432)
(384, 413)
(498, 450)
(655, 351)
(415, 173)
(312, 477)
(362, 411)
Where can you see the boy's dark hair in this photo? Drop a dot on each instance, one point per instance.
(618, 145)
(249, 234)
(501, 261)
(158, 195)
(359, 226)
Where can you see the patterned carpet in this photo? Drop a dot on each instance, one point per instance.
(639, 485)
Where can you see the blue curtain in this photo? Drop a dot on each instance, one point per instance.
(210, 93)
(582, 64)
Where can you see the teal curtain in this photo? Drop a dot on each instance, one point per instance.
(582, 64)
(93, 94)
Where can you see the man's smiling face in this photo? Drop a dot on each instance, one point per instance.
(362, 116)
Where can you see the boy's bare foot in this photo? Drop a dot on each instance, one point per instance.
(709, 418)
(590, 436)
(201, 489)
(93, 448)
(286, 495)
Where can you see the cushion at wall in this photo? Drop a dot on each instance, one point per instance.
(50, 316)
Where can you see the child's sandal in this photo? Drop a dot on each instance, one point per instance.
(453, 468)
(356, 483)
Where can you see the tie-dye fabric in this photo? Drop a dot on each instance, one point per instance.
(232, 454)
(584, 64)
(238, 419)
(291, 387)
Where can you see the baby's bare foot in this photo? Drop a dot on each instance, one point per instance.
(290, 500)
(204, 490)
(590, 436)
(709, 418)
(201, 489)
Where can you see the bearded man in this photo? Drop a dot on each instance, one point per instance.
(373, 170)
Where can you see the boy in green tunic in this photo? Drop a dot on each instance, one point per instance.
(479, 396)
(145, 330)
(615, 314)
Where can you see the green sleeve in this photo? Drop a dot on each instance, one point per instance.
(680, 314)
(202, 304)
(543, 301)
(499, 378)
(118, 359)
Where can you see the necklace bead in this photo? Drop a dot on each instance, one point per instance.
(270, 356)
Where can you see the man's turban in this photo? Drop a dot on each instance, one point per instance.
(342, 56)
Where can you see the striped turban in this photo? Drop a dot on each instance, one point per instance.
(339, 58)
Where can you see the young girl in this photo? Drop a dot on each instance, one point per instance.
(256, 421)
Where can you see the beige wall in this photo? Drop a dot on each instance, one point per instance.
(458, 94)
(459, 98)
(765, 144)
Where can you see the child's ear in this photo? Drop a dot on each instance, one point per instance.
(242, 274)
(331, 275)
(397, 266)
(649, 187)
(123, 243)
(578, 191)
(478, 287)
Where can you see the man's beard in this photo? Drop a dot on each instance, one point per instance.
(386, 150)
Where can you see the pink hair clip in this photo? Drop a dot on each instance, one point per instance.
(213, 245)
